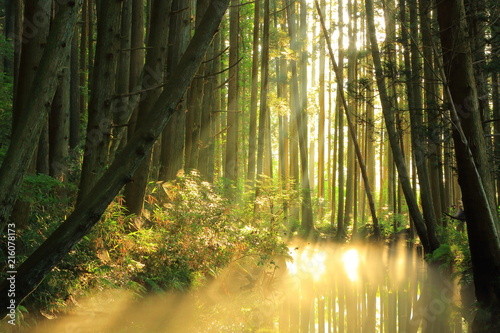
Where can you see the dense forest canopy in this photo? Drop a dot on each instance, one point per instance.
(152, 143)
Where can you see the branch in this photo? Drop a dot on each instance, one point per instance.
(222, 71)
(221, 53)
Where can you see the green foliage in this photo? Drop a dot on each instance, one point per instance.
(6, 97)
(189, 232)
(455, 238)
(443, 256)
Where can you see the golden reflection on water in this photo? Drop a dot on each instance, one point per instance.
(309, 261)
(350, 258)
(330, 286)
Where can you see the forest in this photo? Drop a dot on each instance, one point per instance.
(250, 166)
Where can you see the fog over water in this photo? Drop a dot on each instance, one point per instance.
(325, 288)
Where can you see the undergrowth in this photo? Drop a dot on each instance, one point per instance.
(188, 234)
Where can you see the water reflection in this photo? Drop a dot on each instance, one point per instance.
(326, 288)
(350, 258)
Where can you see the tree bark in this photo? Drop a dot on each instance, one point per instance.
(172, 146)
(419, 147)
(27, 132)
(252, 136)
(102, 87)
(431, 109)
(155, 63)
(231, 162)
(59, 127)
(339, 166)
(264, 110)
(321, 120)
(92, 206)
(136, 59)
(36, 23)
(428, 244)
(474, 174)
(75, 95)
(13, 31)
(121, 105)
(352, 132)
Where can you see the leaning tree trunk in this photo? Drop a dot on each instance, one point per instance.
(429, 244)
(474, 174)
(352, 131)
(92, 206)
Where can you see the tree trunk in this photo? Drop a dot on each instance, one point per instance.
(231, 162)
(155, 63)
(14, 32)
(321, 120)
(27, 132)
(84, 50)
(92, 206)
(340, 129)
(121, 105)
(298, 118)
(102, 89)
(352, 132)
(136, 60)
(264, 110)
(252, 137)
(428, 244)
(474, 174)
(59, 127)
(173, 139)
(205, 141)
(432, 111)
(33, 41)
(419, 147)
(75, 95)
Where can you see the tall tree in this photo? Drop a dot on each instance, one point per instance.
(59, 126)
(78, 223)
(419, 147)
(14, 32)
(252, 136)
(155, 62)
(352, 132)
(231, 161)
(322, 113)
(100, 111)
(298, 106)
(28, 129)
(340, 126)
(194, 105)
(29, 46)
(121, 103)
(429, 244)
(431, 107)
(172, 146)
(36, 23)
(474, 174)
(264, 109)
(75, 93)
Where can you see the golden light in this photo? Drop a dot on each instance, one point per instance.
(350, 259)
(307, 262)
